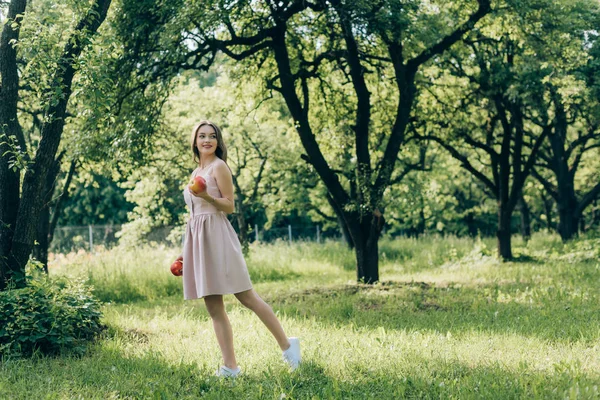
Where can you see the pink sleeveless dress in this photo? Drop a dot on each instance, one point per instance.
(213, 262)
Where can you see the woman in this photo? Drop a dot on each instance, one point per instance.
(213, 264)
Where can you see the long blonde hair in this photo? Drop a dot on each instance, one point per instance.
(221, 151)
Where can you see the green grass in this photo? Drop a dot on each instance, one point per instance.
(447, 321)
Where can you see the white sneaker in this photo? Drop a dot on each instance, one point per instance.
(292, 354)
(227, 372)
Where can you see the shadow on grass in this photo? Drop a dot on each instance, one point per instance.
(107, 373)
(526, 258)
(123, 289)
(553, 314)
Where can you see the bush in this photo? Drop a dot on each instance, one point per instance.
(49, 316)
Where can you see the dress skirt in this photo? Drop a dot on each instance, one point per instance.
(213, 262)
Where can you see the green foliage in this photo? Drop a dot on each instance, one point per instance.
(133, 106)
(17, 158)
(94, 198)
(503, 81)
(49, 316)
(442, 200)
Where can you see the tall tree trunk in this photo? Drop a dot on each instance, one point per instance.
(547, 201)
(40, 252)
(421, 224)
(242, 225)
(504, 234)
(61, 200)
(471, 224)
(568, 223)
(10, 131)
(240, 199)
(365, 236)
(367, 261)
(525, 219)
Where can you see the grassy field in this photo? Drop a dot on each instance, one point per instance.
(447, 321)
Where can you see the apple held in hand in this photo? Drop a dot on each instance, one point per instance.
(177, 267)
(198, 184)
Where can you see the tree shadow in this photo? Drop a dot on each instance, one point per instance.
(506, 308)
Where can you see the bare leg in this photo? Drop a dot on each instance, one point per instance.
(216, 309)
(252, 300)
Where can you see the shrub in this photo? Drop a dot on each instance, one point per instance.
(48, 316)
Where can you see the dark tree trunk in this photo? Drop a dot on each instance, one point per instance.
(471, 224)
(40, 252)
(504, 234)
(512, 166)
(568, 222)
(421, 224)
(63, 197)
(367, 261)
(525, 219)
(365, 235)
(242, 225)
(566, 199)
(547, 201)
(10, 131)
(241, 199)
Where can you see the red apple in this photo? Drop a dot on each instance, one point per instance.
(198, 184)
(177, 267)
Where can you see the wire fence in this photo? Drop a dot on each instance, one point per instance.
(69, 239)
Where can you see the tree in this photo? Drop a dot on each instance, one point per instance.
(573, 99)
(299, 46)
(20, 211)
(495, 132)
(493, 102)
(563, 156)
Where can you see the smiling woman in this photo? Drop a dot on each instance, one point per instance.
(213, 263)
